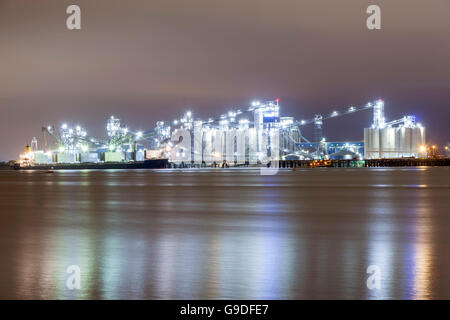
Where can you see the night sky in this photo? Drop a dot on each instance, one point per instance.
(148, 60)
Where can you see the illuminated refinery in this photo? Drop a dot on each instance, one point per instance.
(252, 135)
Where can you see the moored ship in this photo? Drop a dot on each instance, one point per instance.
(146, 164)
(28, 162)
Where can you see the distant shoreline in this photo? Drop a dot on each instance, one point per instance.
(5, 166)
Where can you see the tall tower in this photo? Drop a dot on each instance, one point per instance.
(318, 130)
(379, 121)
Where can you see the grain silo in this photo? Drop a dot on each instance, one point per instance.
(396, 139)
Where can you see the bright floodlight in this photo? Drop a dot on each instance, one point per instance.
(139, 134)
(189, 114)
(64, 126)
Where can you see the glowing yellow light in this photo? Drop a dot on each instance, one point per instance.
(423, 149)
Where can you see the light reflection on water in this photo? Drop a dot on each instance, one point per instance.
(188, 234)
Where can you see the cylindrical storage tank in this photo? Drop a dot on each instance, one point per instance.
(252, 145)
(207, 145)
(371, 143)
(400, 141)
(241, 134)
(418, 140)
(404, 142)
(408, 142)
(198, 142)
(231, 138)
(367, 144)
(387, 143)
(217, 154)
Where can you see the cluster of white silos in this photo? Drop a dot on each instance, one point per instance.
(233, 138)
(396, 139)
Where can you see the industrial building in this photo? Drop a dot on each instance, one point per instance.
(401, 138)
(73, 145)
(257, 134)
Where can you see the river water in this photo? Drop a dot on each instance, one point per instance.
(226, 234)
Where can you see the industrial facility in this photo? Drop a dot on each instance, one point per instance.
(395, 139)
(256, 134)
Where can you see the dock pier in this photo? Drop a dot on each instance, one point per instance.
(372, 163)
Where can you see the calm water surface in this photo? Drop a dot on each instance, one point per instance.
(221, 234)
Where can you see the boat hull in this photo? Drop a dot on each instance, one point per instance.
(146, 164)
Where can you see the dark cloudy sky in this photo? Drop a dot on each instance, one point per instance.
(145, 60)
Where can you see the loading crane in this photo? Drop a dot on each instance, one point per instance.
(51, 132)
(230, 120)
(407, 121)
(318, 118)
(68, 138)
(161, 134)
